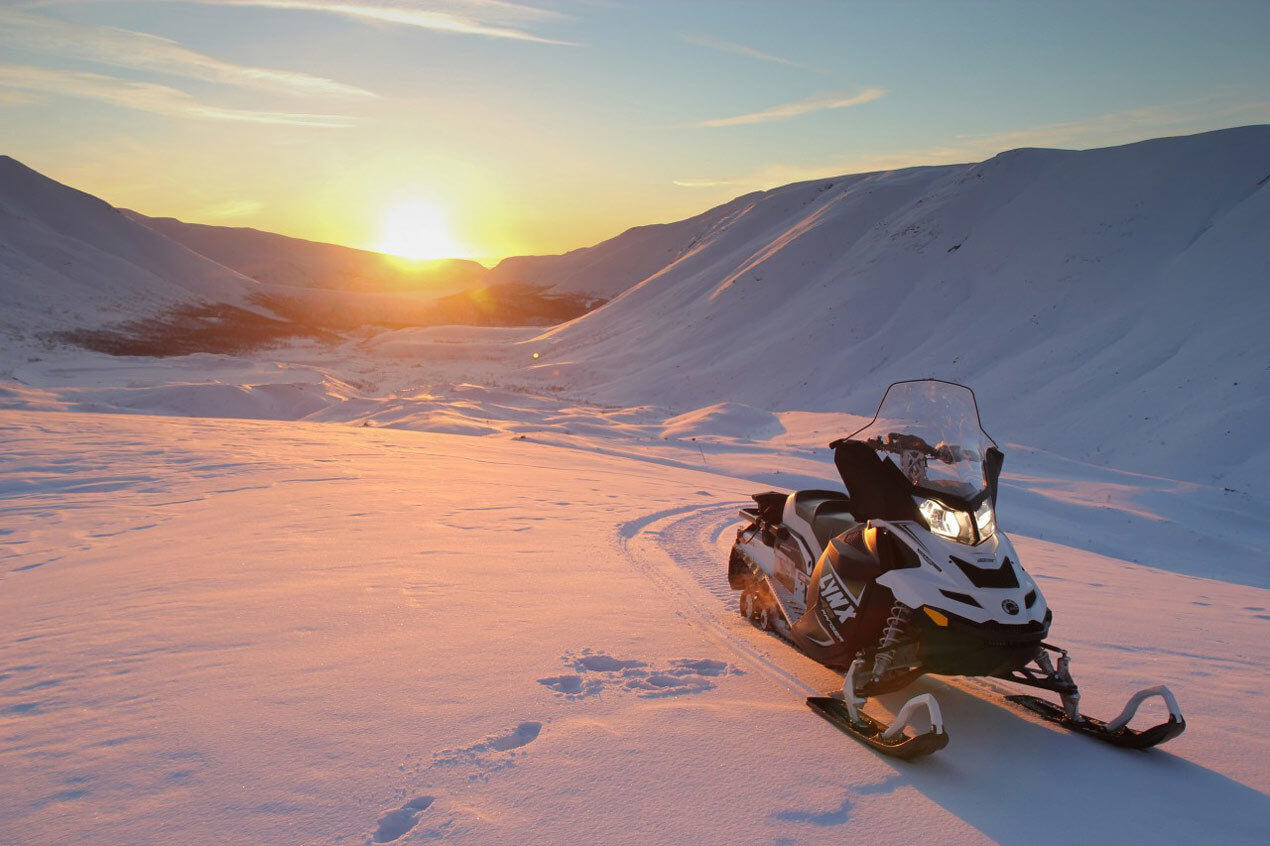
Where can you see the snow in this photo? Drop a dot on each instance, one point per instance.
(247, 631)
(419, 585)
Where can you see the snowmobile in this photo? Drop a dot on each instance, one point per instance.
(906, 573)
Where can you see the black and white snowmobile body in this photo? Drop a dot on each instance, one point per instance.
(905, 574)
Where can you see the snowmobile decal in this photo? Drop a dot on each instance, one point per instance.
(836, 596)
(917, 544)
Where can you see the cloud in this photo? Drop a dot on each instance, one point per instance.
(485, 18)
(1123, 126)
(16, 98)
(142, 96)
(408, 14)
(738, 49)
(140, 51)
(784, 111)
(229, 209)
(703, 183)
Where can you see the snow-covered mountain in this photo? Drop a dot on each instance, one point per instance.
(1111, 304)
(295, 262)
(73, 269)
(70, 260)
(609, 268)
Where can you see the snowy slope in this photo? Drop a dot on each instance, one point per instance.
(75, 270)
(1110, 305)
(245, 632)
(69, 260)
(609, 268)
(295, 262)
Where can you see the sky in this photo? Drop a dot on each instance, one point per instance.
(494, 128)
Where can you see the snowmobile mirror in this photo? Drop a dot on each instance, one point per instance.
(993, 461)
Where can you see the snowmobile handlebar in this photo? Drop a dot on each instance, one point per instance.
(899, 442)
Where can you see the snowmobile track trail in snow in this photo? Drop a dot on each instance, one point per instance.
(675, 549)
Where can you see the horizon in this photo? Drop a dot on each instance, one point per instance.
(483, 130)
(489, 263)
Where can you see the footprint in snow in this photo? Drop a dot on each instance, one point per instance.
(394, 824)
(477, 761)
(571, 686)
(597, 672)
(491, 754)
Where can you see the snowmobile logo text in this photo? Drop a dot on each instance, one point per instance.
(833, 595)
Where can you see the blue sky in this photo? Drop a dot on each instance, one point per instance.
(538, 127)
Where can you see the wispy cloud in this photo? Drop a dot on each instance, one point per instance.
(738, 49)
(141, 51)
(13, 97)
(485, 18)
(785, 111)
(1123, 126)
(439, 20)
(1103, 130)
(704, 183)
(142, 96)
(229, 209)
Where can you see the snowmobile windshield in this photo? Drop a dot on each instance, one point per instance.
(931, 431)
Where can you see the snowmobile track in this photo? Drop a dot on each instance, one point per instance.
(675, 549)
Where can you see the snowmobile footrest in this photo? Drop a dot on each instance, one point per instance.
(1117, 732)
(874, 732)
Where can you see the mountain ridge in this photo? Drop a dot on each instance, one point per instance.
(1133, 277)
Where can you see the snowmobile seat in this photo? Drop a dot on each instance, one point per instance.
(829, 513)
(832, 519)
(807, 503)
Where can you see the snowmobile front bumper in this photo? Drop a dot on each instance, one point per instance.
(966, 648)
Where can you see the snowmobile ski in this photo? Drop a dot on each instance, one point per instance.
(1117, 731)
(890, 740)
(874, 733)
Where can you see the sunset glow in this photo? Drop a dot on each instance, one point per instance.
(418, 229)
(567, 123)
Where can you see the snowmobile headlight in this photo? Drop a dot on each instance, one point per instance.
(986, 521)
(947, 522)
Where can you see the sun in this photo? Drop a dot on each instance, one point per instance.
(417, 229)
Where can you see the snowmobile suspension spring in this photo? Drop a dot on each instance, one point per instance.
(895, 624)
